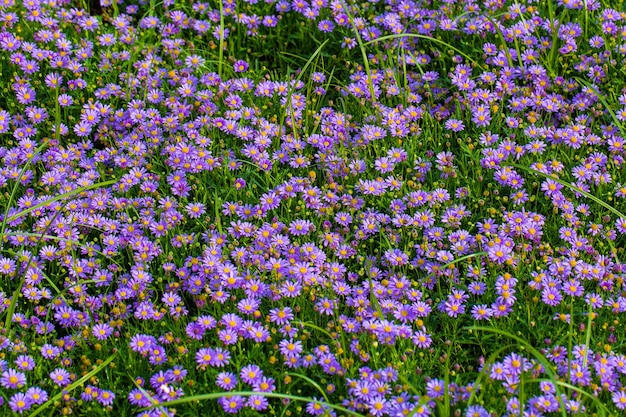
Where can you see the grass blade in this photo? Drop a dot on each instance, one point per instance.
(218, 395)
(73, 386)
(430, 38)
(573, 188)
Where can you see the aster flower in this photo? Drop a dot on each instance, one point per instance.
(226, 380)
(36, 395)
(454, 125)
(12, 379)
(102, 331)
(258, 333)
(7, 266)
(138, 398)
(551, 296)
(435, 388)
(501, 307)
(514, 364)
(453, 308)
(142, 343)
(232, 404)
(220, 358)
(25, 362)
(476, 411)
(90, 393)
(257, 402)
(499, 253)
(19, 403)
(228, 336)
(207, 322)
(421, 339)
(205, 357)
(290, 348)
(264, 384)
(49, 351)
(25, 95)
(157, 355)
(250, 374)
(481, 312)
(60, 377)
(240, 66)
(105, 397)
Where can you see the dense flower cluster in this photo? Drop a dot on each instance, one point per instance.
(221, 228)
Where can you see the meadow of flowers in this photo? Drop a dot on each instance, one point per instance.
(325, 207)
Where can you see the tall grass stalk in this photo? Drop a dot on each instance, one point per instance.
(573, 188)
(18, 290)
(430, 38)
(218, 395)
(221, 32)
(42, 408)
(553, 377)
(605, 103)
(370, 82)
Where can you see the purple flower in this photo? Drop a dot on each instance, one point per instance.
(573, 288)
(325, 26)
(138, 398)
(142, 343)
(290, 348)
(551, 296)
(7, 266)
(257, 402)
(477, 288)
(49, 351)
(378, 406)
(228, 336)
(102, 331)
(157, 355)
(435, 388)
(240, 183)
(421, 339)
(195, 210)
(363, 389)
(250, 374)
(12, 379)
(226, 380)
(105, 397)
(499, 253)
(453, 308)
(25, 95)
(89, 393)
(65, 100)
(36, 395)
(60, 377)
(232, 403)
(619, 399)
(264, 384)
(281, 316)
(481, 312)
(454, 125)
(258, 332)
(240, 66)
(514, 364)
(476, 411)
(221, 357)
(195, 331)
(19, 403)
(204, 357)
(501, 308)
(25, 362)
(547, 403)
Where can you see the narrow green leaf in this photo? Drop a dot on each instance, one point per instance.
(72, 386)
